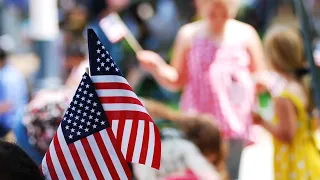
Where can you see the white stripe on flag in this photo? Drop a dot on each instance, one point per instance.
(55, 161)
(109, 79)
(150, 145)
(45, 170)
(85, 161)
(123, 107)
(115, 93)
(139, 140)
(67, 155)
(126, 136)
(97, 154)
(113, 155)
(115, 127)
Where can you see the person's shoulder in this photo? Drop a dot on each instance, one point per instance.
(297, 90)
(241, 26)
(292, 95)
(249, 35)
(193, 26)
(188, 31)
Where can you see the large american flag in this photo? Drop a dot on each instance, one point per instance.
(132, 126)
(84, 146)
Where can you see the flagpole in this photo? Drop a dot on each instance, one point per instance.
(132, 41)
(305, 27)
(137, 74)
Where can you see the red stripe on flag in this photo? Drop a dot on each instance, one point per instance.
(157, 148)
(92, 159)
(145, 144)
(132, 140)
(78, 162)
(112, 86)
(117, 148)
(62, 160)
(106, 156)
(115, 115)
(51, 169)
(121, 124)
(119, 99)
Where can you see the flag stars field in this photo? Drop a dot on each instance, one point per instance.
(103, 108)
(83, 141)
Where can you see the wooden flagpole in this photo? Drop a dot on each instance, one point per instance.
(132, 41)
(137, 74)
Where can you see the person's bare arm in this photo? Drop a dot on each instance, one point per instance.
(287, 125)
(255, 49)
(172, 76)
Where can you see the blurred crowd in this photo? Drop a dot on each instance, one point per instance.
(210, 70)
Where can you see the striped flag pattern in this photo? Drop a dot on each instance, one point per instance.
(84, 146)
(131, 124)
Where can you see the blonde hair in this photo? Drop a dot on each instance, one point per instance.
(285, 52)
(284, 49)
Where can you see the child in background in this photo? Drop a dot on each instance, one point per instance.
(213, 60)
(180, 160)
(295, 154)
(196, 128)
(201, 130)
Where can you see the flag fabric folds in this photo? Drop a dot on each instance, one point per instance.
(84, 146)
(132, 126)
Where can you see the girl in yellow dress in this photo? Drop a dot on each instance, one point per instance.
(295, 153)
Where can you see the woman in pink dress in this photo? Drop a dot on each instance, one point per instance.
(212, 63)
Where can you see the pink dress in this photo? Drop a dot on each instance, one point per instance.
(219, 83)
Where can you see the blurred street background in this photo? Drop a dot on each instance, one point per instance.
(46, 42)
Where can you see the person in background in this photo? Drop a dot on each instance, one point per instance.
(201, 130)
(295, 153)
(76, 62)
(196, 128)
(16, 164)
(41, 118)
(13, 94)
(213, 60)
(98, 9)
(180, 160)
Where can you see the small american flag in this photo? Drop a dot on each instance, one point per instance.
(113, 27)
(84, 145)
(132, 126)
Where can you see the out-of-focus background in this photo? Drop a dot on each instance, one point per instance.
(45, 43)
(36, 33)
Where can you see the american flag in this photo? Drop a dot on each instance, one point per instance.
(132, 126)
(84, 146)
(113, 27)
